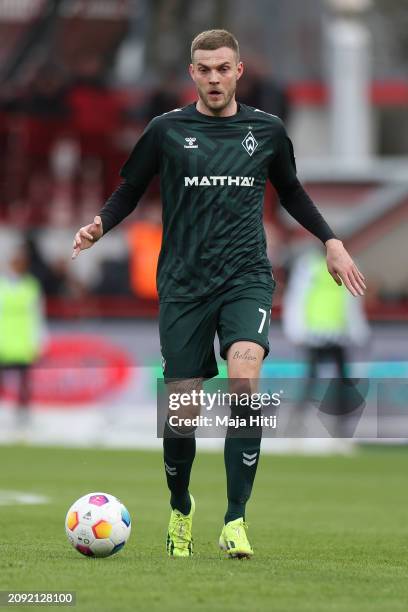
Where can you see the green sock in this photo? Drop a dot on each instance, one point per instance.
(179, 453)
(241, 456)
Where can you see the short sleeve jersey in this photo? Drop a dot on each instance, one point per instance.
(213, 172)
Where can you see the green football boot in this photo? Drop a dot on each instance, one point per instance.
(234, 540)
(179, 536)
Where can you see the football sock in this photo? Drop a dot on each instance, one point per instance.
(179, 453)
(241, 455)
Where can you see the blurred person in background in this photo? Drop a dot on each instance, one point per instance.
(44, 95)
(144, 238)
(89, 91)
(325, 321)
(22, 327)
(164, 96)
(261, 90)
(54, 275)
(213, 273)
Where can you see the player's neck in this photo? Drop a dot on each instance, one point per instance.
(228, 111)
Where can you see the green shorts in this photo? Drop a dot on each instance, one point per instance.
(187, 329)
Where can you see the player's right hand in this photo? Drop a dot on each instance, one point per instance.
(87, 236)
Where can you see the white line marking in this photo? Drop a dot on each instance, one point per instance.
(12, 498)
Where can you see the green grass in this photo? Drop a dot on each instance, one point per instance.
(330, 534)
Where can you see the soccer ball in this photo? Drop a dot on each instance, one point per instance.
(98, 525)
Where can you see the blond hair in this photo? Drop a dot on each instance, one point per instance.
(214, 39)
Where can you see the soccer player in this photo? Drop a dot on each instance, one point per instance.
(213, 276)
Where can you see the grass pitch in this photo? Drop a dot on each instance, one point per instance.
(330, 534)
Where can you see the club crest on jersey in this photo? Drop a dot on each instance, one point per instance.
(191, 143)
(250, 144)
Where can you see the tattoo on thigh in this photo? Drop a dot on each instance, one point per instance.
(246, 356)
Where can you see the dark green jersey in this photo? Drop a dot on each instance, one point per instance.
(213, 172)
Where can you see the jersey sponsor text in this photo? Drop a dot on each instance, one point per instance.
(208, 181)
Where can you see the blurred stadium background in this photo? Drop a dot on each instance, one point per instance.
(79, 81)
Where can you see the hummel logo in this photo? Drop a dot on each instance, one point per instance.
(172, 471)
(250, 144)
(249, 459)
(190, 143)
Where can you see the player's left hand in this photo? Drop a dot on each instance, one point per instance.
(343, 269)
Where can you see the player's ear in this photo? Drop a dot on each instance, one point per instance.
(240, 70)
(191, 71)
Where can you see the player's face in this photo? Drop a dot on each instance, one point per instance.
(215, 74)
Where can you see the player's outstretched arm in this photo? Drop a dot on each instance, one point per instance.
(342, 267)
(293, 197)
(87, 236)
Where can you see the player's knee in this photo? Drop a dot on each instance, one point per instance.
(245, 370)
(183, 422)
(184, 405)
(239, 386)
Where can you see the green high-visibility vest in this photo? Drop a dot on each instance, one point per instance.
(326, 302)
(20, 320)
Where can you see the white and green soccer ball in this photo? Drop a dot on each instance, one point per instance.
(98, 525)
